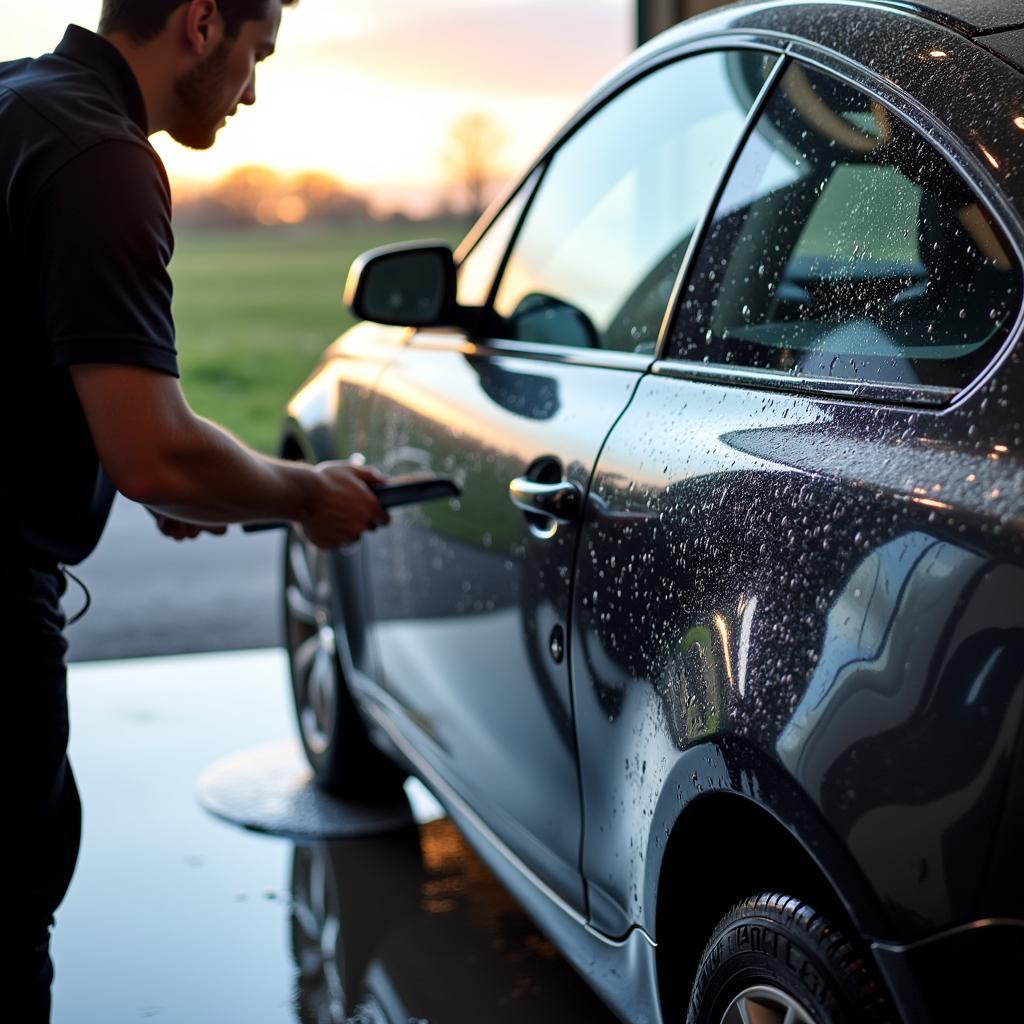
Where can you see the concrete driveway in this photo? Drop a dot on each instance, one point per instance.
(153, 596)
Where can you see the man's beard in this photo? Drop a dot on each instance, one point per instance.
(200, 93)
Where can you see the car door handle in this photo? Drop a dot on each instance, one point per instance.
(561, 502)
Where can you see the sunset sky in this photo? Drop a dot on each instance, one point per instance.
(368, 89)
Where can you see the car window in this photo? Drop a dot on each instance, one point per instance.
(599, 252)
(846, 245)
(479, 269)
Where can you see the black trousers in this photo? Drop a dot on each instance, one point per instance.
(41, 800)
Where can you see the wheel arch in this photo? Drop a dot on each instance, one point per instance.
(297, 444)
(291, 448)
(736, 832)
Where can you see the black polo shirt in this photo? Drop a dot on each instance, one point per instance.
(85, 240)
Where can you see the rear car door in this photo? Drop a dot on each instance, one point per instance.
(470, 600)
(800, 540)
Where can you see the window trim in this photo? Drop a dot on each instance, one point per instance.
(960, 160)
(830, 387)
(674, 306)
(445, 340)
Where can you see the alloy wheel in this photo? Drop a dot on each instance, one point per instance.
(312, 644)
(764, 1004)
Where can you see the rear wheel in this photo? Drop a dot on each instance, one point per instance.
(332, 732)
(775, 960)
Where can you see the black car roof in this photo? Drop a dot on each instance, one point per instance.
(971, 16)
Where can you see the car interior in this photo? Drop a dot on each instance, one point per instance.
(847, 246)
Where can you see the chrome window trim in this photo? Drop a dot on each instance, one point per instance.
(834, 387)
(598, 358)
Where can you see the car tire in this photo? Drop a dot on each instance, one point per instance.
(773, 958)
(334, 737)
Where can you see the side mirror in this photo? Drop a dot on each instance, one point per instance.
(411, 284)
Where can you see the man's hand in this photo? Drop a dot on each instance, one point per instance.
(177, 530)
(345, 506)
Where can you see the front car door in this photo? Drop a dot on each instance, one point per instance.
(471, 599)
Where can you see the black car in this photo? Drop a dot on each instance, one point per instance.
(718, 659)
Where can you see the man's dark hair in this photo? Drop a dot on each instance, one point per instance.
(143, 20)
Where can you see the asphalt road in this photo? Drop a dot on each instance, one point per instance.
(153, 596)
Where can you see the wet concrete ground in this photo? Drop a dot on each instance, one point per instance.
(177, 916)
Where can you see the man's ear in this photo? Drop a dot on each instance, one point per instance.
(203, 27)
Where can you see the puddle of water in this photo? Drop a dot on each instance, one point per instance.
(176, 916)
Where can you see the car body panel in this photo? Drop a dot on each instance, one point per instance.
(794, 575)
(993, 949)
(974, 16)
(970, 17)
(1008, 45)
(465, 596)
(622, 972)
(327, 419)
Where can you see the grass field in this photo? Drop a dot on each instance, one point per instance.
(256, 307)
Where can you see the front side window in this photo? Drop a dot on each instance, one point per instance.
(598, 255)
(846, 246)
(479, 269)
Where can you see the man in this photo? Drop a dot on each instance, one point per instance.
(90, 381)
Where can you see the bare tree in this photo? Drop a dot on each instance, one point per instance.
(471, 158)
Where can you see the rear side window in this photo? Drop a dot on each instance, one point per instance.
(846, 246)
(603, 241)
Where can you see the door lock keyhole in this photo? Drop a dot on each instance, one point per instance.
(557, 645)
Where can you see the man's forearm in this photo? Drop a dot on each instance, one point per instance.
(159, 453)
(211, 478)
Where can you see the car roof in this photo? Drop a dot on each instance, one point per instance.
(969, 17)
(973, 17)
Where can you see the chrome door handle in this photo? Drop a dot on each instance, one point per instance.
(562, 501)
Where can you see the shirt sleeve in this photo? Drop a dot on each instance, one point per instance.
(103, 244)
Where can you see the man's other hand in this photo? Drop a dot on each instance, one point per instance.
(177, 530)
(345, 506)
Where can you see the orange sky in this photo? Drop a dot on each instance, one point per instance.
(369, 89)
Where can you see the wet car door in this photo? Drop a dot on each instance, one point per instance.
(471, 598)
(791, 543)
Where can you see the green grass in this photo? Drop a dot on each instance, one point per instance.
(256, 307)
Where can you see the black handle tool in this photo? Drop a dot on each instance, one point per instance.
(399, 490)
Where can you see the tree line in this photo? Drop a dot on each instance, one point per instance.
(256, 195)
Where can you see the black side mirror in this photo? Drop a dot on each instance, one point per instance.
(411, 284)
